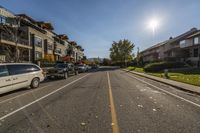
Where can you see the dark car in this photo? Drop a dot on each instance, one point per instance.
(81, 68)
(62, 70)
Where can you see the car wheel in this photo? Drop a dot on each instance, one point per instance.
(65, 75)
(35, 83)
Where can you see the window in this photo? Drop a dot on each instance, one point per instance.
(21, 68)
(196, 52)
(31, 68)
(16, 69)
(38, 41)
(196, 40)
(49, 46)
(58, 50)
(2, 19)
(38, 55)
(3, 71)
(182, 43)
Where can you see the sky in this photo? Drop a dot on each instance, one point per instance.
(95, 24)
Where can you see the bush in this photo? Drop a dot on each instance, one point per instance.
(131, 68)
(160, 66)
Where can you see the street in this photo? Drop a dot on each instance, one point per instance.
(109, 100)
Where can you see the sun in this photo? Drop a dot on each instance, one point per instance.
(153, 24)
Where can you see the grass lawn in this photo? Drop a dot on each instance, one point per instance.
(189, 76)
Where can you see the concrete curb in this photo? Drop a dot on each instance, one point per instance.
(186, 89)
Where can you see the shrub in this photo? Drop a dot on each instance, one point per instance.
(131, 68)
(160, 66)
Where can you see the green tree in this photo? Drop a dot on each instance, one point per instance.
(121, 51)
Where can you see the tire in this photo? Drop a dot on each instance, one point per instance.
(65, 75)
(35, 83)
(76, 72)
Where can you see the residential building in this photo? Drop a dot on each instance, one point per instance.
(190, 46)
(59, 47)
(80, 53)
(14, 44)
(172, 47)
(36, 36)
(169, 50)
(24, 39)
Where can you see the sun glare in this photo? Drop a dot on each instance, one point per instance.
(153, 24)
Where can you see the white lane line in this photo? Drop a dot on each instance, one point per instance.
(41, 98)
(186, 100)
(23, 94)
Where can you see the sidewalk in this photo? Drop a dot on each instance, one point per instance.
(176, 84)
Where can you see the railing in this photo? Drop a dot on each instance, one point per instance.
(9, 37)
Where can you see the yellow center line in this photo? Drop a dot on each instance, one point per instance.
(115, 128)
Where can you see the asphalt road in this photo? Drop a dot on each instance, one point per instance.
(105, 101)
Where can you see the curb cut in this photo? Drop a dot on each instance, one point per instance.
(175, 86)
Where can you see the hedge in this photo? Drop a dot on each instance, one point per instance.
(160, 66)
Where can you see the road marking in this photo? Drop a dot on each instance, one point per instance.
(186, 100)
(115, 127)
(41, 98)
(24, 94)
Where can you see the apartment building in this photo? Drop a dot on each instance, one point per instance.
(169, 50)
(33, 40)
(80, 53)
(190, 47)
(14, 44)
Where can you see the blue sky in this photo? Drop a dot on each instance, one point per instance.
(95, 24)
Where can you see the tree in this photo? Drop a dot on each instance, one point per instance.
(106, 62)
(121, 51)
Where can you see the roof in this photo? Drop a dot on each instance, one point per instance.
(27, 17)
(184, 35)
(45, 25)
(155, 46)
(6, 9)
(178, 38)
(195, 34)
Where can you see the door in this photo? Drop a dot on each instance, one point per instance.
(5, 80)
(19, 76)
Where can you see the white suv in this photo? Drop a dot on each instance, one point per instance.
(17, 75)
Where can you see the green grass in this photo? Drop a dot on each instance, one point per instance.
(193, 79)
(189, 76)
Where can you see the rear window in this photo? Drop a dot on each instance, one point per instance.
(20, 69)
(3, 71)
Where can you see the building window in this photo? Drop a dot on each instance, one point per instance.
(196, 52)
(38, 41)
(38, 55)
(196, 40)
(49, 46)
(182, 43)
(58, 50)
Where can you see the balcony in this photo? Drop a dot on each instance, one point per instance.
(11, 40)
(58, 52)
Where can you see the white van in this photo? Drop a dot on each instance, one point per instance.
(19, 75)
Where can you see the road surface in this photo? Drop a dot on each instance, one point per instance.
(105, 101)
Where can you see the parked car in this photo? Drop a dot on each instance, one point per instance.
(95, 66)
(17, 75)
(88, 67)
(82, 68)
(62, 70)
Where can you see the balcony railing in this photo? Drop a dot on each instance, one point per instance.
(9, 37)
